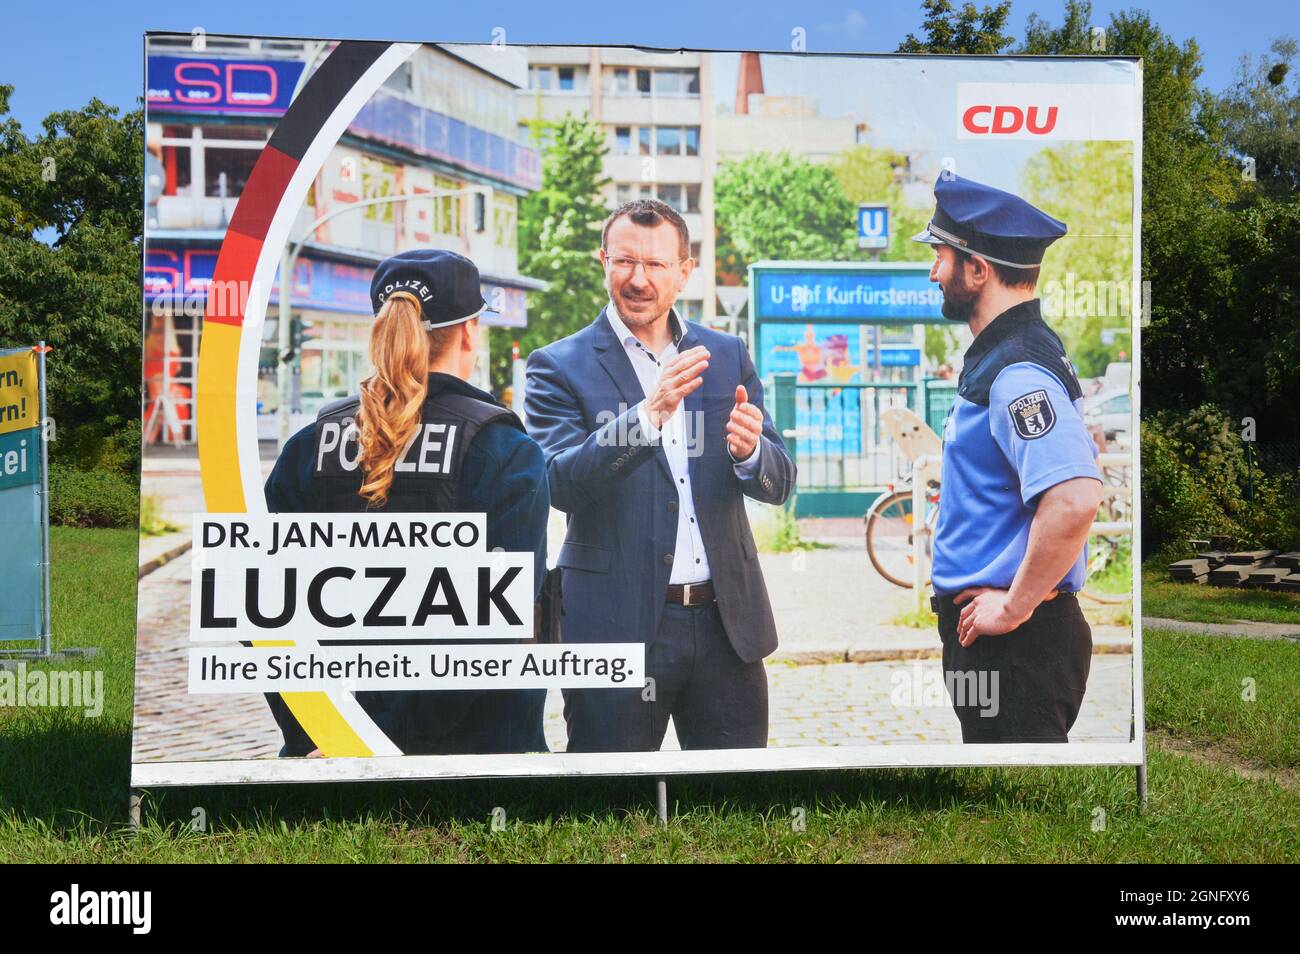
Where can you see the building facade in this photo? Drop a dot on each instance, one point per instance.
(657, 112)
(439, 139)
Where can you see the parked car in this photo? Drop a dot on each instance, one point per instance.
(1111, 410)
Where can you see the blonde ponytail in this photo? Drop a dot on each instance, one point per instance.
(393, 397)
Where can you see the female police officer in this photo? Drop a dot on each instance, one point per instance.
(427, 303)
(1020, 479)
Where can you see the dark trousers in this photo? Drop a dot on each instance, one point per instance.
(1034, 677)
(716, 701)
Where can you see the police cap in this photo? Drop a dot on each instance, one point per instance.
(445, 284)
(984, 221)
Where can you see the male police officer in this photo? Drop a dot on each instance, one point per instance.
(1020, 479)
(493, 468)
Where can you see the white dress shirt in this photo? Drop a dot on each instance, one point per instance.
(690, 562)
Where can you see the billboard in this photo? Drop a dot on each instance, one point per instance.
(24, 542)
(400, 578)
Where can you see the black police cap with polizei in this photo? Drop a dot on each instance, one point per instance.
(990, 223)
(445, 284)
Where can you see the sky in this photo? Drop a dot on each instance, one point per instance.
(58, 54)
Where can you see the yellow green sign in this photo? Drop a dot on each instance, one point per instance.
(20, 398)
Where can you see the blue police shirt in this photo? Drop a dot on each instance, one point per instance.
(1015, 430)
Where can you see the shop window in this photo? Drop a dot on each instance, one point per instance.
(227, 170)
(446, 213)
(378, 179)
(504, 221)
(258, 134)
(176, 170)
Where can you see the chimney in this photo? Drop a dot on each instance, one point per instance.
(748, 80)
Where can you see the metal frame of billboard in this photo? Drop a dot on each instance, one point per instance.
(161, 774)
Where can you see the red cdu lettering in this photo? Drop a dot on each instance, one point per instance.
(968, 119)
(1007, 120)
(1046, 127)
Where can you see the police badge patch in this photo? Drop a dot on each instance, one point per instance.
(1032, 414)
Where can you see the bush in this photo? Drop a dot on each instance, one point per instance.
(1194, 480)
(92, 498)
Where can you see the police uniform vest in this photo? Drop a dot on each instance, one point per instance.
(1017, 336)
(426, 477)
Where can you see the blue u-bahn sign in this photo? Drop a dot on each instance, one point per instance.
(811, 321)
(873, 225)
(845, 291)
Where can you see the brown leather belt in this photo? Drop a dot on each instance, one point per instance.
(690, 594)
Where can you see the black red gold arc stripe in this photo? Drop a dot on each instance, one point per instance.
(233, 323)
(297, 130)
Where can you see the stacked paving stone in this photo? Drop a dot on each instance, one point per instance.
(1291, 582)
(1190, 571)
(1261, 569)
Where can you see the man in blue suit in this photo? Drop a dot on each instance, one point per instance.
(653, 431)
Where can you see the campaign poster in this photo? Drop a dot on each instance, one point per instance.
(22, 515)
(462, 474)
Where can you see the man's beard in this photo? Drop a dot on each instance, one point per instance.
(631, 320)
(958, 301)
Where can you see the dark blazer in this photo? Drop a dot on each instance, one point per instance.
(617, 489)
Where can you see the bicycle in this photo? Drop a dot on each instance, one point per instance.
(890, 533)
(1105, 548)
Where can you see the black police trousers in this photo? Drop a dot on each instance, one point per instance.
(1023, 686)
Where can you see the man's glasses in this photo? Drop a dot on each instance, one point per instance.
(654, 267)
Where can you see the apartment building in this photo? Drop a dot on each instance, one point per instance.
(657, 112)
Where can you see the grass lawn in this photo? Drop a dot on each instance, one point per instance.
(65, 783)
(1166, 599)
(1195, 686)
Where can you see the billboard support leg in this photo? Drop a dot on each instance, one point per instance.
(1142, 785)
(133, 810)
(661, 801)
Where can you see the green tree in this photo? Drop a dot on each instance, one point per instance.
(870, 174)
(1086, 279)
(70, 272)
(968, 30)
(559, 233)
(1072, 37)
(1261, 117)
(778, 206)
